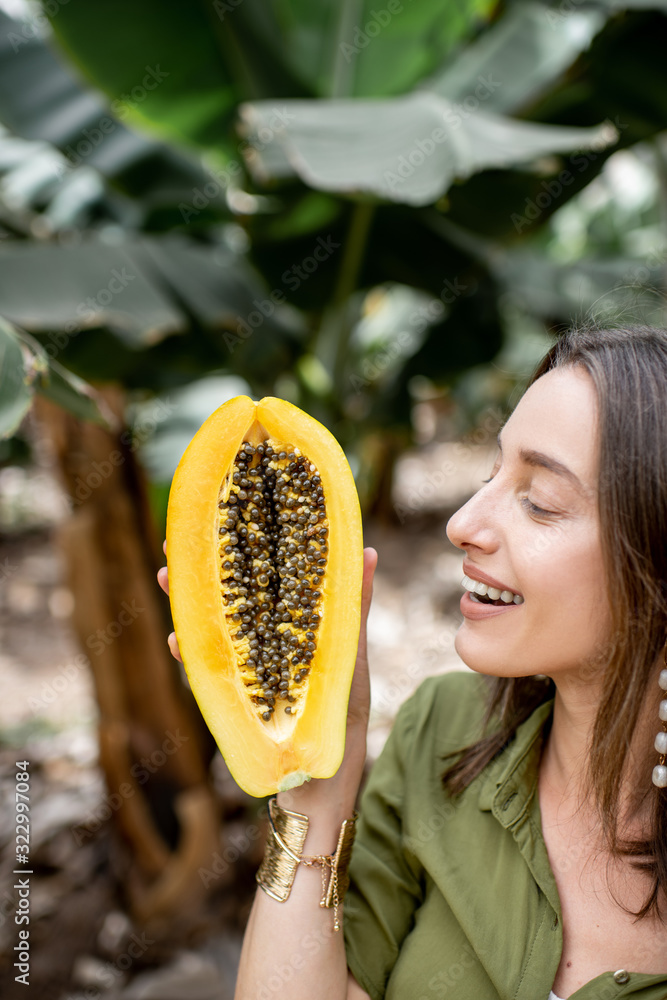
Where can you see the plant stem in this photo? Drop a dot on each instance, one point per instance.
(355, 245)
(342, 83)
(342, 72)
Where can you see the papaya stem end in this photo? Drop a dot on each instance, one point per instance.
(293, 780)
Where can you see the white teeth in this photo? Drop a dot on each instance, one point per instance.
(475, 587)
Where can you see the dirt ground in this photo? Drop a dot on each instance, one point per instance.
(83, 944)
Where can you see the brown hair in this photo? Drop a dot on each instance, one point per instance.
(628, 368)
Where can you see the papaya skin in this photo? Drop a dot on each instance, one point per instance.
(264, 757)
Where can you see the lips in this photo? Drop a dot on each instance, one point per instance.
(475, 573)
(472, 610)
(475, 610)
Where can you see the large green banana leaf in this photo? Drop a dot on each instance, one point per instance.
(26, 368)
(41, 99)
(407, 149)
(184, 71)
(212, 55)
(144, 288)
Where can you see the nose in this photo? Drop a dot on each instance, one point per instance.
(474, 526)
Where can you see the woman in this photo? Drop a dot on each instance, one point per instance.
(538, 861)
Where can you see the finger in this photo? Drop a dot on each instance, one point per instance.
(360, 691)
(163, 578)
(164, 546)
(370, 564)
(173, 647)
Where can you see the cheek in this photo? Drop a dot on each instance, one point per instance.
(562, 573)
(564, 560)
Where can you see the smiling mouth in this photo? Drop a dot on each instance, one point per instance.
(481, 593)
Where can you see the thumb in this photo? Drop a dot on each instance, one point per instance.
(370, 564)
(359, 703)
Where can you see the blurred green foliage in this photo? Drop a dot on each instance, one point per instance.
(348, 204)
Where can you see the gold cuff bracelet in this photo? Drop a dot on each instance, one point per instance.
(284, 853)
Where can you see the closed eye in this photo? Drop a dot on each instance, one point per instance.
(534, 509)
(528, 505)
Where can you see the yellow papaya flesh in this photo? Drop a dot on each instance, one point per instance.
(265, 555)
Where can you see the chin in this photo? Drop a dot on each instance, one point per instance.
(482, 663)
(476, 660)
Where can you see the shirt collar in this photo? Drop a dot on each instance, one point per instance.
(511, 777)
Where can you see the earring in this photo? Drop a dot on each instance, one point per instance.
(660, 770)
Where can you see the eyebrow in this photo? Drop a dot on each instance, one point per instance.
(538, 459)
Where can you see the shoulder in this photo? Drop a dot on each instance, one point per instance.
(446, 710)
(444, 715)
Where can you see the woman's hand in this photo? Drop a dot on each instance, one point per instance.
(163, 580)
(335, 797)
(342, 788)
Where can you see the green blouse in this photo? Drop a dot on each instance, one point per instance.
(456, 898)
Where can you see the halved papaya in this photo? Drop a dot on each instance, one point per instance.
(264, 546)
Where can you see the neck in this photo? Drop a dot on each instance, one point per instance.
(563, 770)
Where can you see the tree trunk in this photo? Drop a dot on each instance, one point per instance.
(154, 749)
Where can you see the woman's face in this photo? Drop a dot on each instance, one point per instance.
(534, 529)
